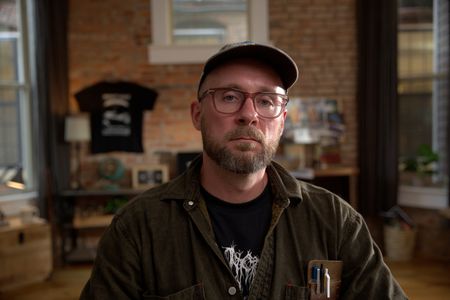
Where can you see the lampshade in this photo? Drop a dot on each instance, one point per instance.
(77, 128)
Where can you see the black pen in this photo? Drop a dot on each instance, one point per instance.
(322, 273)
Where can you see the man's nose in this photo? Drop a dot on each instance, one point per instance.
(247, 115)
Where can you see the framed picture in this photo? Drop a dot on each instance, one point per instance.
(147, 176)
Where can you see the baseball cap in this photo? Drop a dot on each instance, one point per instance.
(279, 60)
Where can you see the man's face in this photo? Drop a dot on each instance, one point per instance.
(242, 142)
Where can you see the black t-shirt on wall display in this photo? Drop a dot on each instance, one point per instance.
(116, 110)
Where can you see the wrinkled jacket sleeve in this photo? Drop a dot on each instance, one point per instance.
(115, 274)
(365, 275)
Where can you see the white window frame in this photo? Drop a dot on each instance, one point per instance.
(161, 51)
(23, 86)
(426, 196)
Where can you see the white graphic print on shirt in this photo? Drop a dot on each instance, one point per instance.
(242, 267)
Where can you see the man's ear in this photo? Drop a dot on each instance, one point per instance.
(196, 114)
(284, 115)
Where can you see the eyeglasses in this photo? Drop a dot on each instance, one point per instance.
(230, 101)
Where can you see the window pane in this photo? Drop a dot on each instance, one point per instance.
(416, 48)
(8, 16)
(9, 128)
(415, 109)
(8, 40)
(209, 22)
(8, 59)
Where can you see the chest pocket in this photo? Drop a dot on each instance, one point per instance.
(195, 292)
(294, 292)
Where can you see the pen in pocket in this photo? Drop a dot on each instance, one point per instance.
(328, 283)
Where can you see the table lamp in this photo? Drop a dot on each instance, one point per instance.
(77, 131)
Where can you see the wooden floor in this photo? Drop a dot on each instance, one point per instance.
(421, 280)
(63, 284)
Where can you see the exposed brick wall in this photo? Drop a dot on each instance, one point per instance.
(321, 37)
(109, 40)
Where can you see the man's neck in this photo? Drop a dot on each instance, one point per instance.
(230, 186)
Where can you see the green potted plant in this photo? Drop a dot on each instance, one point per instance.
(419, 169)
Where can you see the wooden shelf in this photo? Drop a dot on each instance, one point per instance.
(78, 193)
(92, 221)
(336, 171)
(310, 173)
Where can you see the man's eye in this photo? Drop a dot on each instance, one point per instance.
(265, 102)
(230, 98)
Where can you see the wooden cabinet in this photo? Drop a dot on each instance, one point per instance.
(25, 253)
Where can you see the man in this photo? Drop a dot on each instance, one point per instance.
(236, 225)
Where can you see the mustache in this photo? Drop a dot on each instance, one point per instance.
(250, 132)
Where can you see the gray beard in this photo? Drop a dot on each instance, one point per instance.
(244, 162)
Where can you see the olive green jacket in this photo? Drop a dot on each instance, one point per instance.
(161, 246)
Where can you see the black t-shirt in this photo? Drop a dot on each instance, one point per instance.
(240, 230)
(116, 110)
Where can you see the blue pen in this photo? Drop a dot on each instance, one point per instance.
(318, 271)
(313, 273)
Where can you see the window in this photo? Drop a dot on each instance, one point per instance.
(15, 136)
(186, 31)
(209, 22)
(423, 65)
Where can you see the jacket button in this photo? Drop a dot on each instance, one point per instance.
(232, 290)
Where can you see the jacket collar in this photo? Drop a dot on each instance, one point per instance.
(187, 185)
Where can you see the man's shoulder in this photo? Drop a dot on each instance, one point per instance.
(323, 203)
(306, 193)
